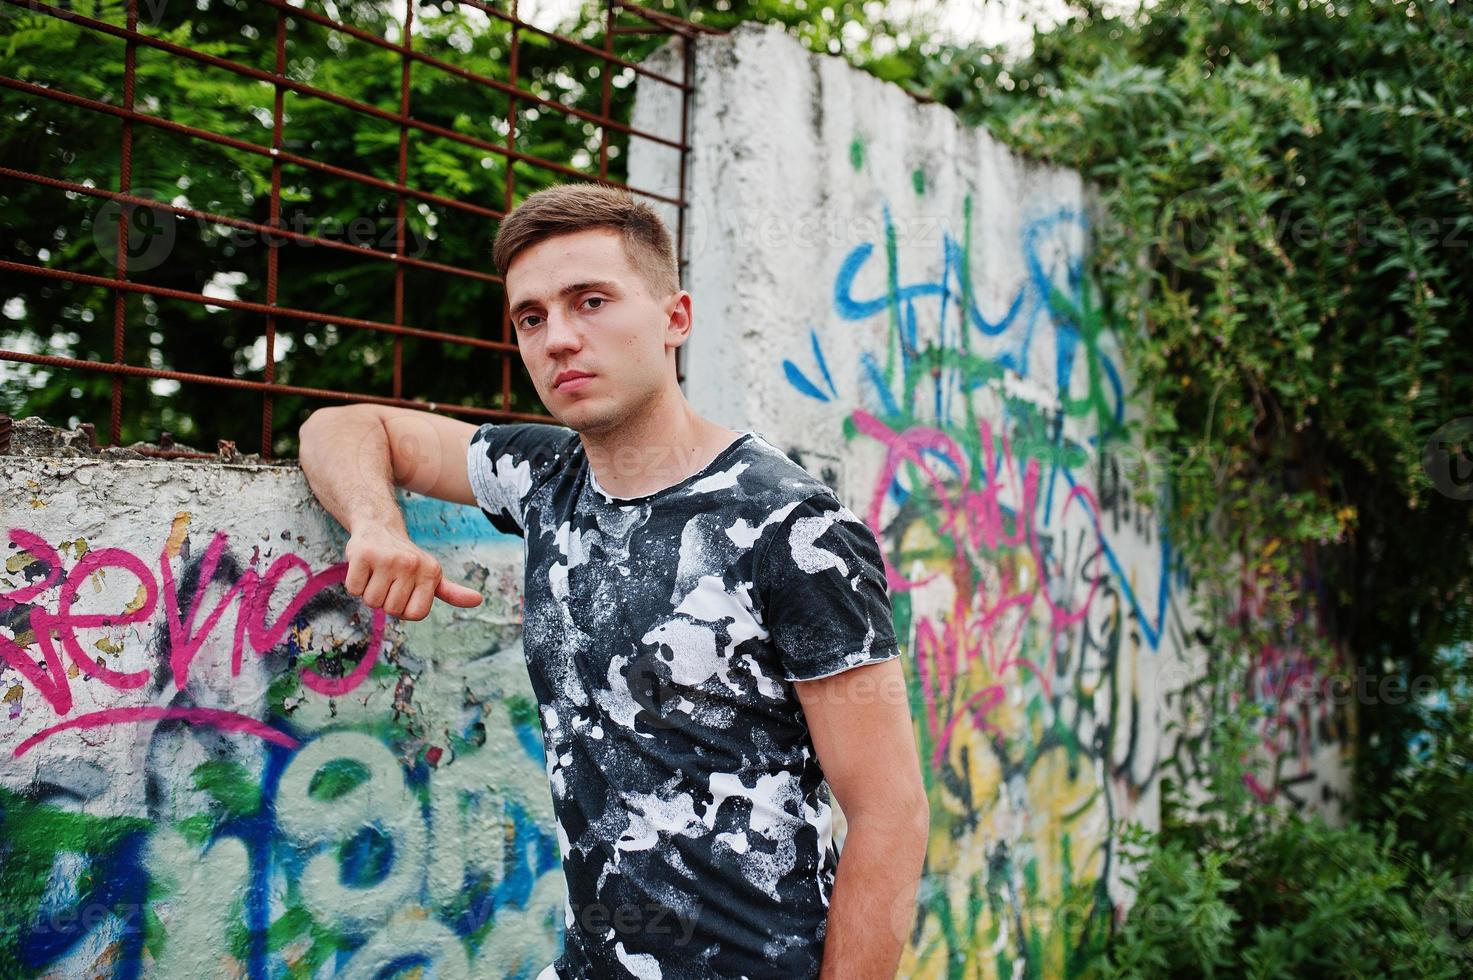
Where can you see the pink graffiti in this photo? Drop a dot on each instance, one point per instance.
(977, 524)
(214, 717)
(1291, 684)
(254, 592)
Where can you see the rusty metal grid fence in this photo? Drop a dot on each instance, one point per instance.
(134, 111)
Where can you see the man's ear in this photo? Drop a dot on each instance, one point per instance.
(677, 327)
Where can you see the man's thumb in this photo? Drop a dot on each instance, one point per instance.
(457, 595)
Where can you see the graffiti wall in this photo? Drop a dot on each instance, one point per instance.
(906, 308)
(214, 762)
(218, 763)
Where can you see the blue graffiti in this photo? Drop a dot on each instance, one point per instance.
(1054, 295)
(1040, 301)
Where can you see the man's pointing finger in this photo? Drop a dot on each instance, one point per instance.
(457, 595)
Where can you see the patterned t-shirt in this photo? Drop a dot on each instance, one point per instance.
(662, 635)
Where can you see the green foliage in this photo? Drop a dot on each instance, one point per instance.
(1290, 196)
(40, 225)
(1430, 799)
(1285, 219)
(1180, 896)
(1229, 889)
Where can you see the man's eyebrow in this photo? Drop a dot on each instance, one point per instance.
(568, 290)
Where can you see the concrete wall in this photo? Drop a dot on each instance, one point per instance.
(903, 305)
(217, 763)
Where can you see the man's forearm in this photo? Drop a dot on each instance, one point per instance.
(345, 457)
(873, 901)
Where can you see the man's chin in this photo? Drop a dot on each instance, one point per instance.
(585, 419)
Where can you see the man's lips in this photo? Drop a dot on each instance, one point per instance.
(571, 379)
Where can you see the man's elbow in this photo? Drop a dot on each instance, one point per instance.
(916, 814)
(324, 416)
(316, 421)
(912, 801)
(321, 424)
(920, 813)
(912, 837)
(904, 814)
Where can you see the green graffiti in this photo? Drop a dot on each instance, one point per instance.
(977, 519)
(229, 784)
(32, 837)
(337, 778)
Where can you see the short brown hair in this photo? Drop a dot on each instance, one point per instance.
(567, 208)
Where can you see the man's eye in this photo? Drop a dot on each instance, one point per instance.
(595, 299)
(527, 321)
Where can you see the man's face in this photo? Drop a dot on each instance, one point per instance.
(580, 308)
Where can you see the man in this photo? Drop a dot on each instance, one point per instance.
(706, 626)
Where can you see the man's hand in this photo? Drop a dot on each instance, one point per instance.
(391, 572)
(353, 456)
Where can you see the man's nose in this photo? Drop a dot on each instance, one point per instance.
(561, 334)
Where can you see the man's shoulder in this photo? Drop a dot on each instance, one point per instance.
(771, 480)
(524, 453)
(522, 438)
(762, 490)
(506, 462)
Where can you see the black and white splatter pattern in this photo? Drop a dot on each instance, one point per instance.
(662, 635)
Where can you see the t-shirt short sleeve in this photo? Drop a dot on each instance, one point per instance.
(823, 591)
(506, 461)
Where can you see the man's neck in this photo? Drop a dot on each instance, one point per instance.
(656, 450)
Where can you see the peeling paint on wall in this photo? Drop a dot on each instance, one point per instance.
(218, 763)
